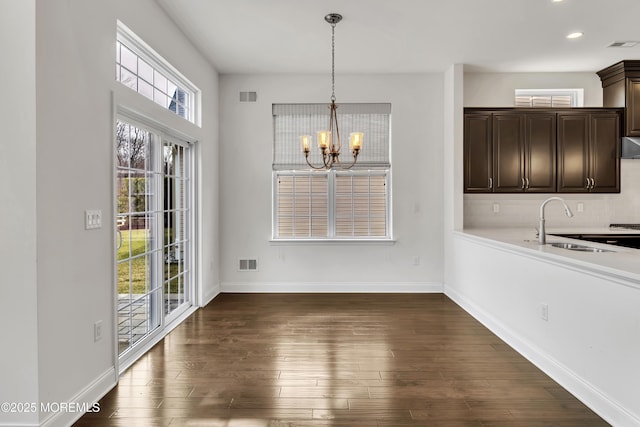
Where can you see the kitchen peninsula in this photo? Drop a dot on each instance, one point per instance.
(574, 314)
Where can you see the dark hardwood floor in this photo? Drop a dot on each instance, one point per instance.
(366, 360)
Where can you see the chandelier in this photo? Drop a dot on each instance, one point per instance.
(329, 141)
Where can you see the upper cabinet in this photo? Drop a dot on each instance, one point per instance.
(589, 152)
(621, 89)
(524, 147)
(541, 150)
(478, 152)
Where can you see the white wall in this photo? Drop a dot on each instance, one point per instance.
(521, 210)
(497, 89)
(61, 118)
(246, 207)
(18, 285)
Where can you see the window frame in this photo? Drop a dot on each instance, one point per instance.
(577, 95)
(331, 207)
(142, 50)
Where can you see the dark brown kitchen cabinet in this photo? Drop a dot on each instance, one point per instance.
(621, 88)
(509, 151)
(632, 122)
(589, 152)
(514, 150)
(524, 147)
(478, 153)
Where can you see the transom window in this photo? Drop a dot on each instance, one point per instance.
(331, 204)
(140, 68)
(549, 98)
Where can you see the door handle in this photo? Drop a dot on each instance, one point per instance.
(593, 183)
(491, 183)
(523, 184)
(119, 245)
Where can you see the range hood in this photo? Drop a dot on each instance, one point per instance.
(630, 148)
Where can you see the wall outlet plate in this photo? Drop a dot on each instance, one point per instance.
(97, 331)
(544, 312)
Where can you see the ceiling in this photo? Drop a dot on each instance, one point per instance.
(408, 36)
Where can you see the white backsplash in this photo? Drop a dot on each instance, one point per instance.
(522, 210)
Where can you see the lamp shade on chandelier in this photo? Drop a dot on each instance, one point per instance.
(329, 141)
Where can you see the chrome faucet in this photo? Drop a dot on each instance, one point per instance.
(542, 238)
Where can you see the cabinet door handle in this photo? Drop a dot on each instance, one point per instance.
(523, 184)
(491, 183)
(588, 184)
(593, 183)
(527, 187)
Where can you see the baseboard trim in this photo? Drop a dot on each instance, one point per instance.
(317, 287)
(209, 296)
(89, 395)
(609, 409)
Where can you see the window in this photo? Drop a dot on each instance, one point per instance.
(337, 204)
(549, 98)
(140, 68)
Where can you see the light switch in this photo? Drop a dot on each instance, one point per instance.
(92, 219)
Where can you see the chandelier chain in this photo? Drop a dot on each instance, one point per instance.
(333, 61)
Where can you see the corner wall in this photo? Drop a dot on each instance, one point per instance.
(18, 257)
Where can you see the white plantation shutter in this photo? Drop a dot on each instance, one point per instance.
(549, 98)
(302, 205)
(545, 101)
(361, 205)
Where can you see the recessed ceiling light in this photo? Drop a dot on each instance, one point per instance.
(575, 35)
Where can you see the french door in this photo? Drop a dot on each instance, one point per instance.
(154, 249)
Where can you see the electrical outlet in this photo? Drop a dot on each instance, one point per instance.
(496, 208)
(416, 260)
(580, 207)
(544, 312)
(97, 331)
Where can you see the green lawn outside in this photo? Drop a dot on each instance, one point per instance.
(134, 242)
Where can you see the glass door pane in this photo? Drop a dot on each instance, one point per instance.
(138, 250)
(177, 232)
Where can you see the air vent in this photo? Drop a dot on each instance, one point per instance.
(248, 96)
(623, 44)
(247, 265)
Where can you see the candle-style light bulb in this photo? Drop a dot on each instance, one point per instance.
(324, 139)
(355, 141)
(305, 141)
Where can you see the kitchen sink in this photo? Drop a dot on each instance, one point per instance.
(578, 247)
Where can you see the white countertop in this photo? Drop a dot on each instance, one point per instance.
(622, 263)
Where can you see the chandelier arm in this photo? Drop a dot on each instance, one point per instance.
(355, 159)
(329, 160)
(306, 157)
(334, 120)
